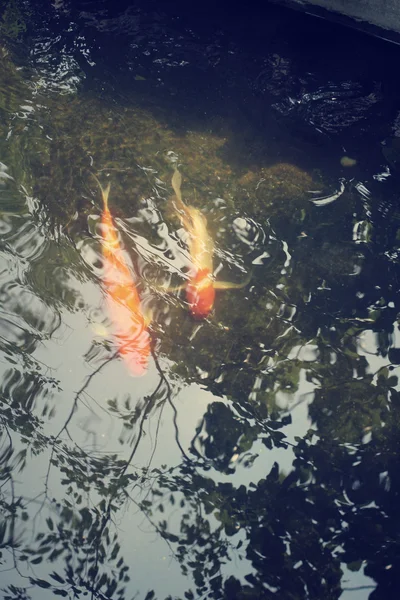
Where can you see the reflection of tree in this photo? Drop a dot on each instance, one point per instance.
(338, 504)
(80, 534)
(290, 531)
(283, 542)
(287, 529)
(223, 436)
(293, 526)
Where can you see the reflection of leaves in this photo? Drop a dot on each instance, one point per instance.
(347, 410)
(28, 427)
(274, 514)
(284, 542)
(15, 593)
(238, 435)
(23, 389)
(83, 473)
(40, 582)
(90, 552)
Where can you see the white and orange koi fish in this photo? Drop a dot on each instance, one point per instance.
(122, 296)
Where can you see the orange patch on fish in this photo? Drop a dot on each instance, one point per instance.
(200, 293)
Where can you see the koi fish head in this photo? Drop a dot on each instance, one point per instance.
(200, 294)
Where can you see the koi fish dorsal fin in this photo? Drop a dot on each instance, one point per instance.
(104, 191)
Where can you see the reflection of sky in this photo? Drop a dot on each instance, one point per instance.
(92, 426)
(356, 585)
(368, 346)
(96, 430)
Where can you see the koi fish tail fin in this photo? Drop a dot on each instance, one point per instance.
(172, 211)
(176, 183)
(104, 191)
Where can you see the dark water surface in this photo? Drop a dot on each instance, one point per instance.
(258, 456)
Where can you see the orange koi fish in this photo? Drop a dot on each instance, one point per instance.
(200, 289)
(122, 296)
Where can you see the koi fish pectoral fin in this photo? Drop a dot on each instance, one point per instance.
(99, 330)
(227, 285)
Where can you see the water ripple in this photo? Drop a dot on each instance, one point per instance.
(27, 241)
(332, 107)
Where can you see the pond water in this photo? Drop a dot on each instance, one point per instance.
(256, 454)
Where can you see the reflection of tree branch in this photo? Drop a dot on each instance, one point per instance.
(107, 512)
(169, 398)
(160, 533)
(382, 368)
(65, 426)
(79, 392)
(12, 527)
(151, 458)
(156, 437)
(11, 507)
